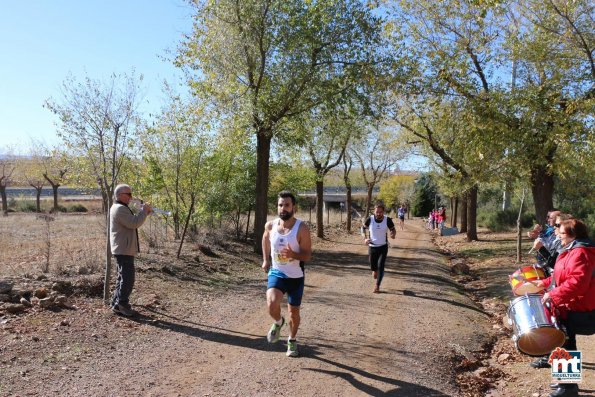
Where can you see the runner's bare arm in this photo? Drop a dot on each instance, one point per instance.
(363, 231)
(305, 243)
(266, 247)
(391, 227)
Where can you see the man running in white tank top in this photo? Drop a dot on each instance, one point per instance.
(286, 245)
(379, 225)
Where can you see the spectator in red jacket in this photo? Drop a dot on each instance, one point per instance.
(441, 218)
(571, 289)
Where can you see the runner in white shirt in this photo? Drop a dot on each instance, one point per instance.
(286, 245)
(378, 224)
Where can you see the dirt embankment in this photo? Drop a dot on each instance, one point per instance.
(491, 260)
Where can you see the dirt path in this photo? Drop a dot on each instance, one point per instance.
(352, 342)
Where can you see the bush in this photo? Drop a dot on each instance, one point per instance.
(77, 208)
(61, 208)
(504, 220)
(26, 206)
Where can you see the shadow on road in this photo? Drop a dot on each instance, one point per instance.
(223, 335)
(311, 351)
(403, 389)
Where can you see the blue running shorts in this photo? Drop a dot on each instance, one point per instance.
(294, 287)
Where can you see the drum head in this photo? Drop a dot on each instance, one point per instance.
(526, 288)
(541, 341)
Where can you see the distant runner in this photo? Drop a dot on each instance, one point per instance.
(401, 214)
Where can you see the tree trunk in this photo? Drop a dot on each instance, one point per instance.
(186, 223)
(55, 189)
(263, 151)
(506, 196)
(248, 225)
(38, 199)
(238, 222)
(108, 262)
(104, 200)
(369, 200)
(455, 212)
(348, 206)
(319, 209)
(472, 214)
(519, 230)
(108, 249)
(464, 213)
(4, 200)
(542, 188)
(176, 220)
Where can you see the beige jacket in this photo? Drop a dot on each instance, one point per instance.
(123, 234)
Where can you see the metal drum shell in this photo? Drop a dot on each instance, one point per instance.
(535, 333)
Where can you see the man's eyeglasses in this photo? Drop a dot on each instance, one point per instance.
(128, 194)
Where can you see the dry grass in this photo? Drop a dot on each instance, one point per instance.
(69, 242)
(74, 243)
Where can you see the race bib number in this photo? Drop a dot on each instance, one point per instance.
(280, 246)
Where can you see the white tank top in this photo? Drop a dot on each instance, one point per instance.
(378, 232)
(288, 267)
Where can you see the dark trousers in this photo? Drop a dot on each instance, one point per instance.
(377, 260)
(578, 323)
(125, 280)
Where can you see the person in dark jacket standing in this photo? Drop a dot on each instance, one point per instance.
(125, 246)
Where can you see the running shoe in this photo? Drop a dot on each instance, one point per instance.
(275, 331)
(292, 350)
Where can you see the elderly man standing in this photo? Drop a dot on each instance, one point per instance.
(124, 245)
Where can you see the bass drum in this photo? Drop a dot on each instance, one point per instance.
(536, 331)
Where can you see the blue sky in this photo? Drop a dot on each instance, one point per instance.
(43, 41)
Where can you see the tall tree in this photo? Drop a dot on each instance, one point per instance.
(55, 167)
(31, 173)
(98, 121)
(325, 135)
(439, 126)
(174, 150)
(556, 78)
(376, 154)
(274, 59)
(463, 50)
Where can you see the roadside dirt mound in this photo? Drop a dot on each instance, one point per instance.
(490, 261)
